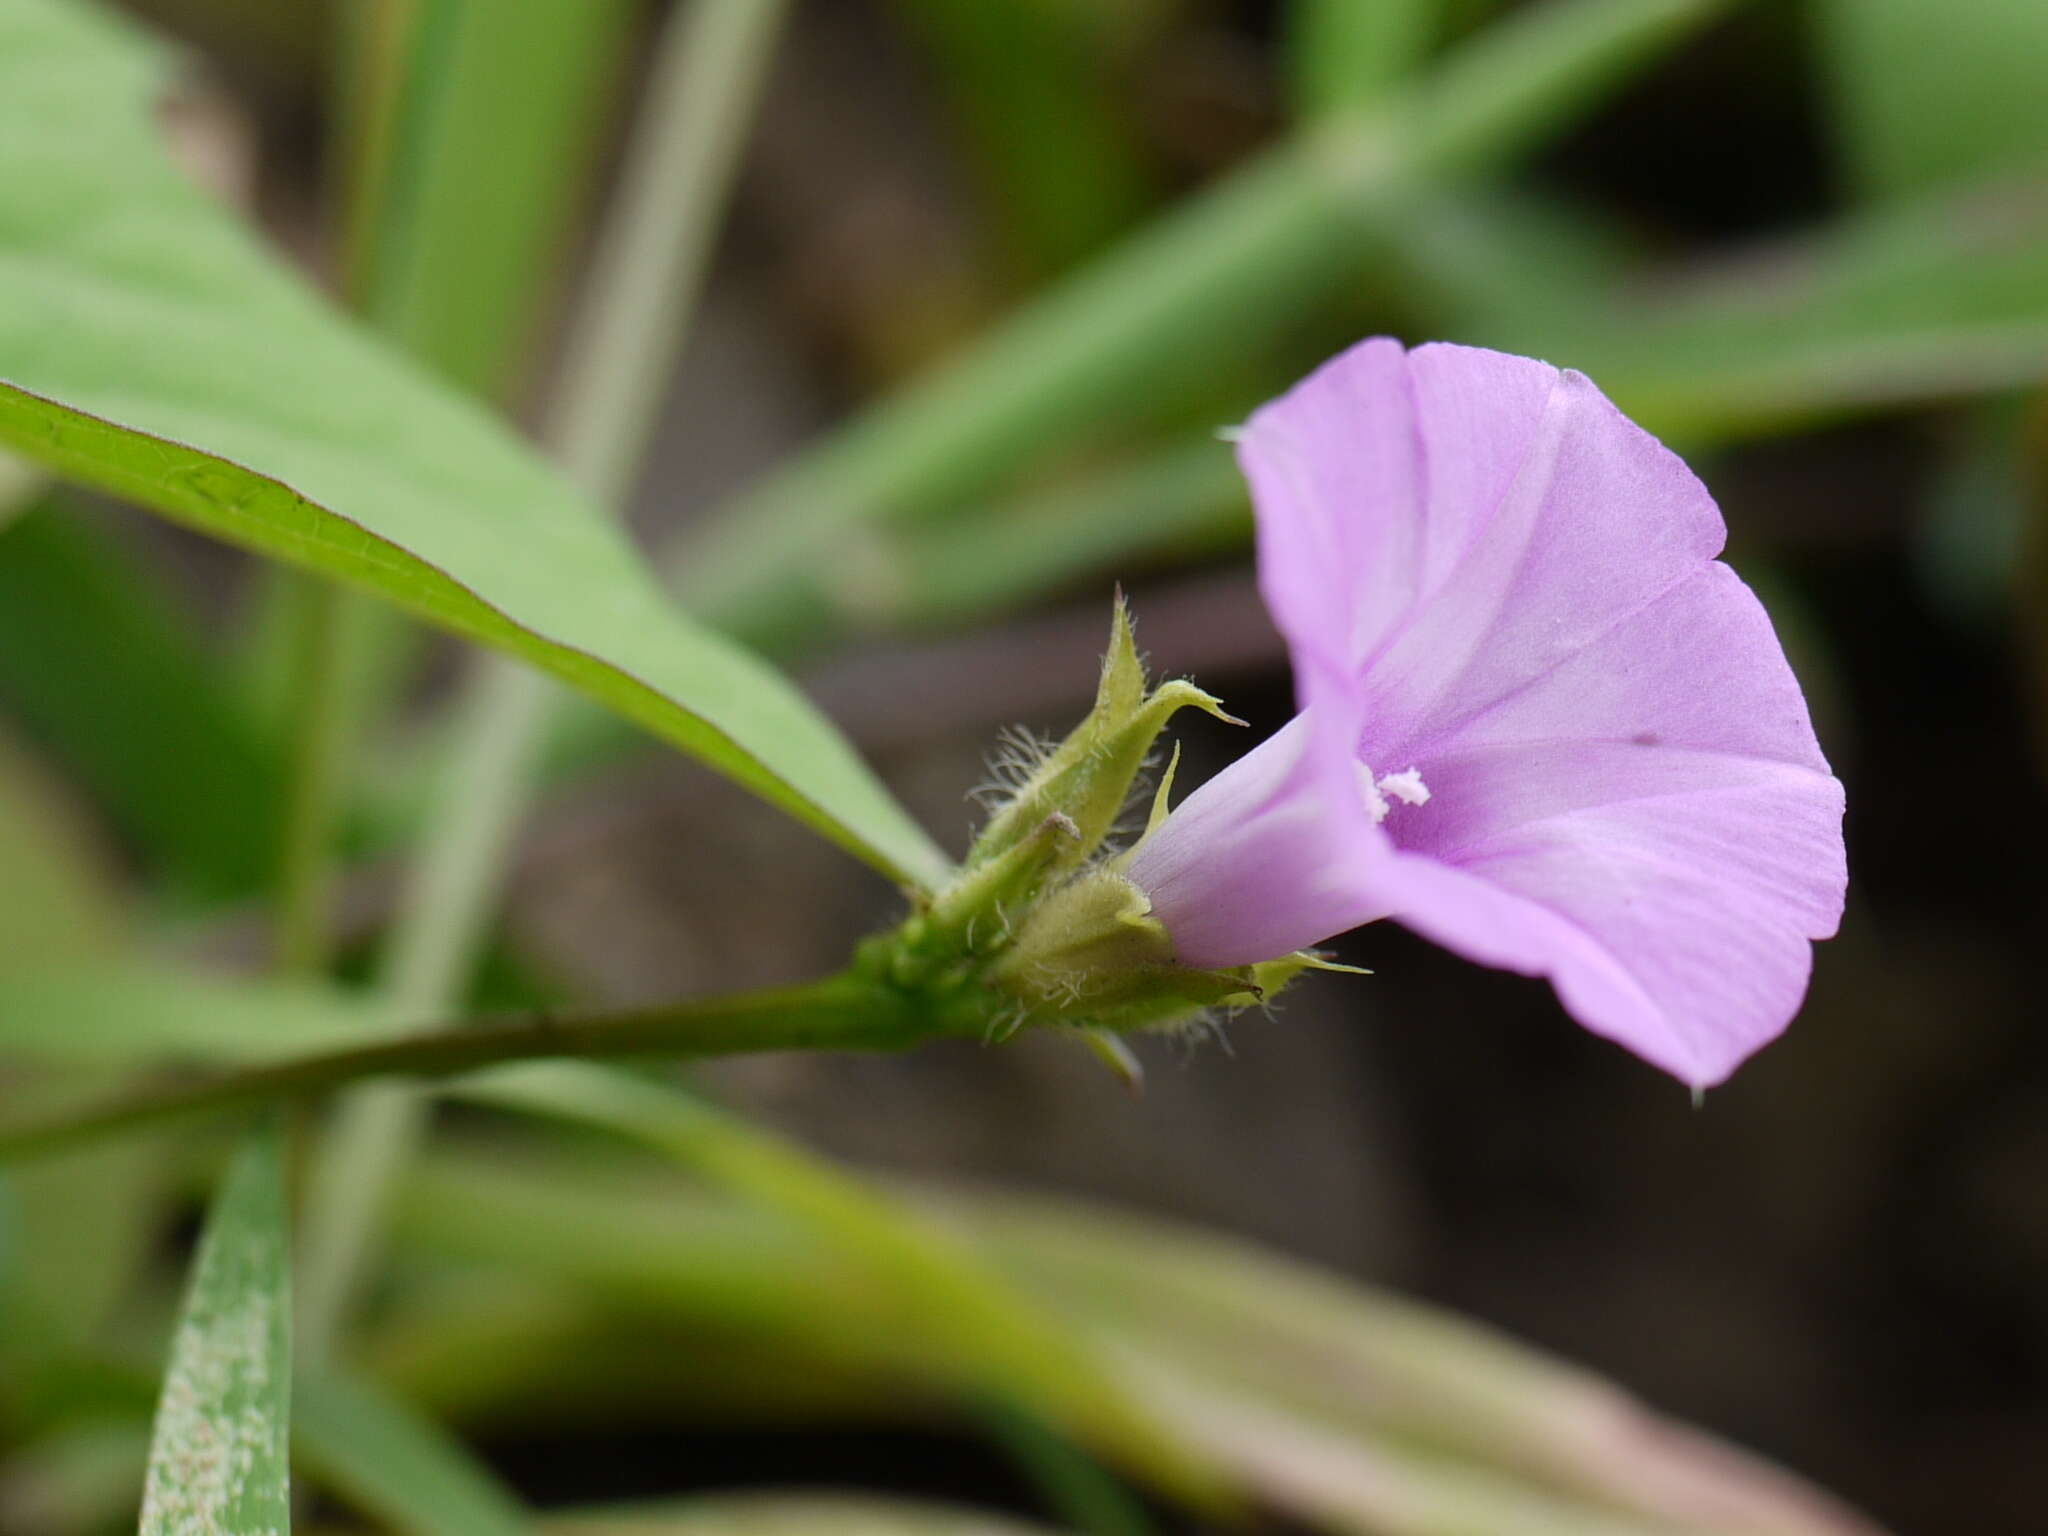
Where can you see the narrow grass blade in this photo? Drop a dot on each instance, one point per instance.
(387, 1460)
(219, 1460)
(787, 1514)
(1926, 95)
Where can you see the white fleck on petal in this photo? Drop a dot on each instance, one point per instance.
(1375, 802)
(1407, 787)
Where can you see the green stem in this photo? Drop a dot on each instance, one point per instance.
(320, 748)
(1188, 496)
(844, 1012)
(316, 686)
(1342, 55)
(1074, 1486)
(439, 928)
(649, 268)
(623, 344)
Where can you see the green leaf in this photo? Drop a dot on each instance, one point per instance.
(133, 1013)
(489, 153)
(152, 350)
(787, 1514)
(219, 1455)
(1061, 172)
(75, 1233)
(99, 664)
(1070, 1483)
(1973, 538)
(466, 132)
(61, 899)
(1927, 94)
(1938, 300)
(997, 1341)
(1346, 1407)
(1933, 298)
(1343, 54)
(20, 484)
(387, 1461)
(1355, 1409)
(84, 1476)
(72, 1233)
(1187, 499)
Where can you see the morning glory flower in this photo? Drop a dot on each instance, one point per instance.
(1541, 724)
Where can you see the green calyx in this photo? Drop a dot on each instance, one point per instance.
(1041, 925)
(1088, 778)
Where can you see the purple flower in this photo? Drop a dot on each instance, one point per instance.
(1541, 724)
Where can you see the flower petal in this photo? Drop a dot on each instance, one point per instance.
(1264, 859)
(1440, 527)
(1670, 895)
(1698, 666)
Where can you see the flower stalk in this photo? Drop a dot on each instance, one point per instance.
(1040, 927)
(846, 1012)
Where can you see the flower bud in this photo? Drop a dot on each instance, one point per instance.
(1043, 925)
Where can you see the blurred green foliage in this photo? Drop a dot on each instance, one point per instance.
(1926, 96)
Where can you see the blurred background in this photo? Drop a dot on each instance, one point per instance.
(1807, 243)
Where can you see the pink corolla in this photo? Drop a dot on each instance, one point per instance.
(1541, 724)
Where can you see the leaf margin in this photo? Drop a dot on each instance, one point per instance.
(38, 425)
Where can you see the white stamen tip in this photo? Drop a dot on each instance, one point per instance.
(1406, 787)
(1375, 802)
(1229, 434)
